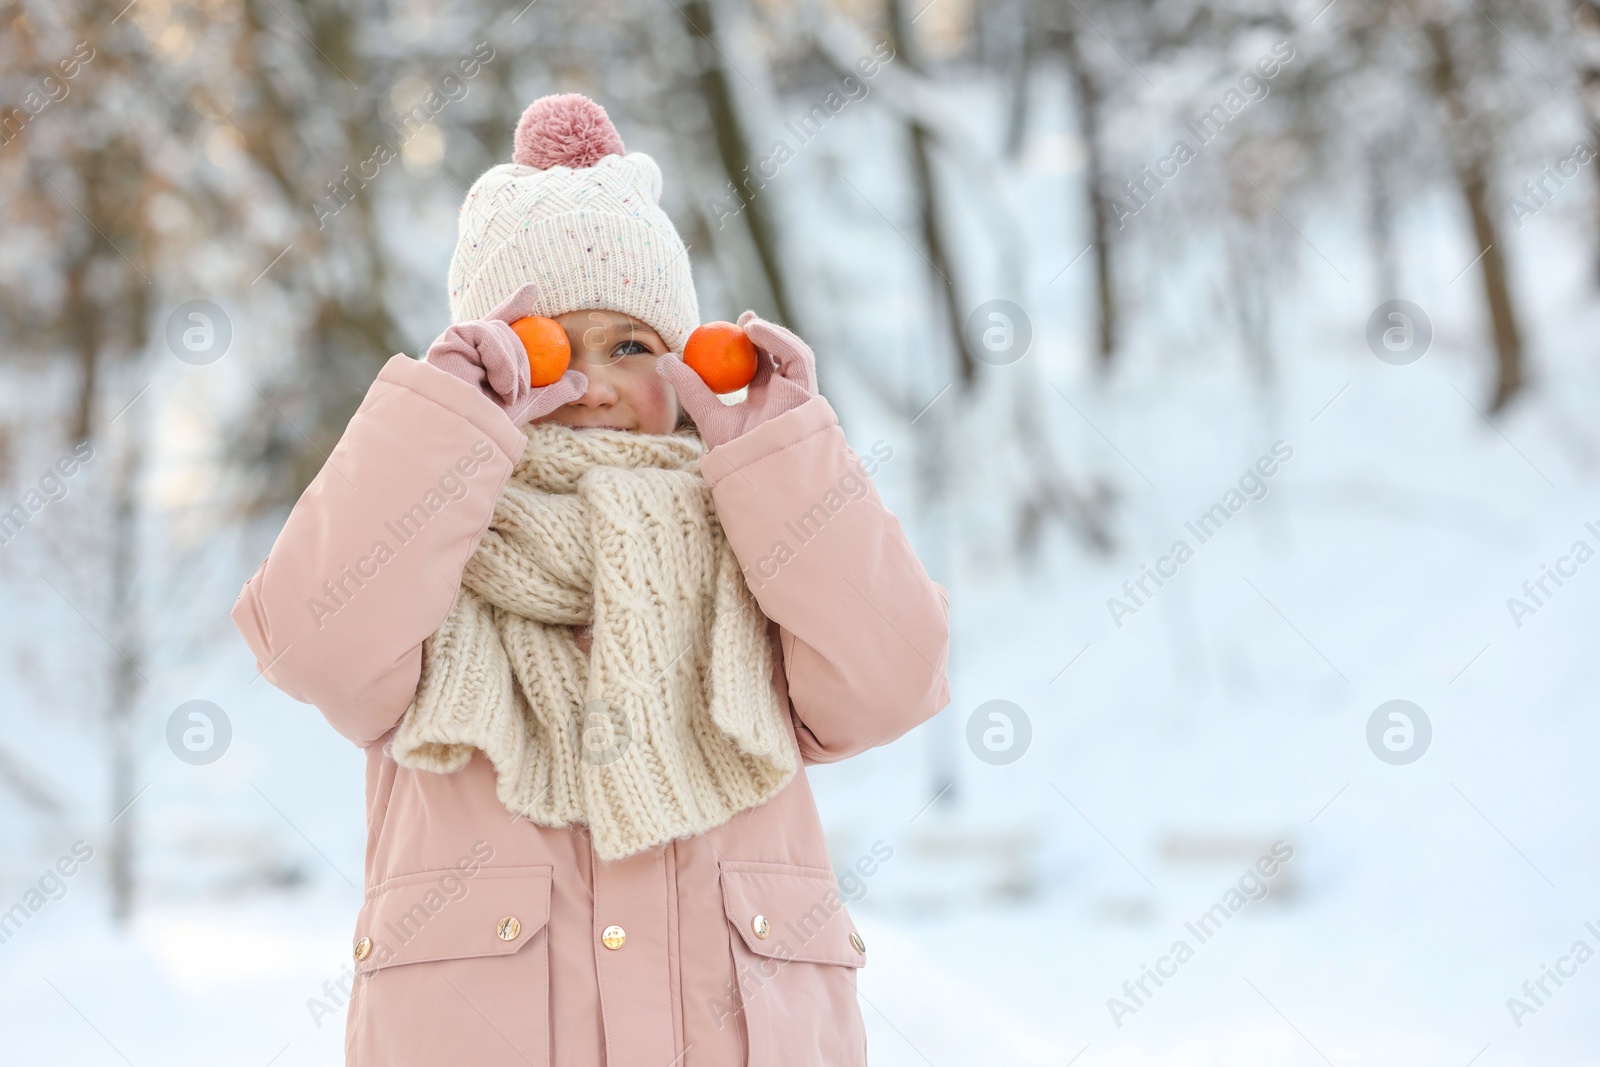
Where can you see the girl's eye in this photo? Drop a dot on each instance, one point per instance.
(631, 348)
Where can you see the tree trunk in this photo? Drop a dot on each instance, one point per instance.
(934, 244)
(1021, 98)
(83, 334)
(733, 149)
(1509, 372)
(126, 679)
(1591, 113)
(1472, 176)
(1586, 17)
(935, 475)
(1380, 225)
(1089, 94)
(938, 547)
(115, 189)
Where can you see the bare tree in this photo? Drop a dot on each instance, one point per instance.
(733, 149)
(1473, 159)
(90, 186)
(1088, 106)
(1586, 61)
(930, 207)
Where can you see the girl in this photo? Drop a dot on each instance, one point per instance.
(587, 635)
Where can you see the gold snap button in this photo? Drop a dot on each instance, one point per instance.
(855, 940)
(509, 928)
(363, 948)
(760, 925)
(612, 937)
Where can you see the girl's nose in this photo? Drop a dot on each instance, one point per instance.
(602, 390)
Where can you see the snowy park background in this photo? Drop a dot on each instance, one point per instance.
(296, 166)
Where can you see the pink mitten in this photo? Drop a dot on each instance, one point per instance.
(487, 353)
(786, 377)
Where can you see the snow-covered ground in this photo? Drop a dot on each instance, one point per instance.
(1228, 712)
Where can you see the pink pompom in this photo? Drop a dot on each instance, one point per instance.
(565, 130)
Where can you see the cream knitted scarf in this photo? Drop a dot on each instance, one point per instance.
(671, 724)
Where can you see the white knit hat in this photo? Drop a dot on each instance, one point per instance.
(580, 216)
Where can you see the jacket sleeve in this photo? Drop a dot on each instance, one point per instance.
(368, 563)
(864, 630)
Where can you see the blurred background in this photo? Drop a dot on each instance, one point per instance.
(1307, 288)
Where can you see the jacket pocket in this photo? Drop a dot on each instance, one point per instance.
(796, 953)
(454, 967)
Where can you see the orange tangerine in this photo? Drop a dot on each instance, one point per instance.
(549, 353)
(723, 356)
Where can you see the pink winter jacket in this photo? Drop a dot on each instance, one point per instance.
(486, 940)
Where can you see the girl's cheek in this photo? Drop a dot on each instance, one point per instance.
(652, 400)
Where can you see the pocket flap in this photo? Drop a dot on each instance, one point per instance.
(798, 908)
(448, 914)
